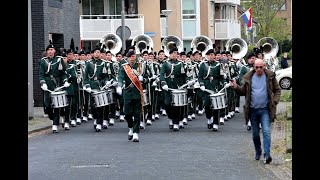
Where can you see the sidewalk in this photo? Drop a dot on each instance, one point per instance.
(39, 122)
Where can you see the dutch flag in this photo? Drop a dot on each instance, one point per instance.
(247, 17)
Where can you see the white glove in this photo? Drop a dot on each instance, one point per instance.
(108, 83)
(165, 87)
(190, 83)
(119, 90)
(89, 90)
(202, 88)
(154, 76)
(157, 79)
(140, 78)
(225, 76)
(44, 87)
(66, 84)
(227, 85)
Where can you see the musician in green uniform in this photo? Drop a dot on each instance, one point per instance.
(161, 60)
(210, 78)
(72, 91)
(172, 75)
(95, 78)
(130, 79)
(52, 74)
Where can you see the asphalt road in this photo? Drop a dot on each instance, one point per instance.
(193, 153)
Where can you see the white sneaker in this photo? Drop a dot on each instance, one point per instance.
(105, 124)
(54, 129)
(193, 116)
(121, 118)
(232, 113)
(200, 112)
(130, 133)
(111, 121)
(229, 116)
(185, 121)
(78, 121)
(156, 116)
(153, 117)
(237, 110)
(176, 127)
(95, 122)
(66, 126)
(84, 118)
(117, 113)
(164, 113)
(149, 122)
(73, 123)
(170, 122)
(189, 118)
(225, 117)
(249, 123)
(210, 121)
(98, 127)
(221, 121)
(135, 137)
(90, 116)
(181, 124)
(141, 125)
(215, 127)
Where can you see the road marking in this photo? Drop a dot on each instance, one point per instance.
(90, 166)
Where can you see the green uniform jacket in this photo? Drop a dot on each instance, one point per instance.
(210, 78)
(129, 89)
(95, 75)
(72, 78)
(52, 72)
(243, 70)
(175, 79)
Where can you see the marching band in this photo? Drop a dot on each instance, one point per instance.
(141, 85)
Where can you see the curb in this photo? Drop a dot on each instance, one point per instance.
(39, 129)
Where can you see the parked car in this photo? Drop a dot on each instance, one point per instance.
(284, 77)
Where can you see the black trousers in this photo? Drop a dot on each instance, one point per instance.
(132, 108)
(53, 113)
(192, 104)
(210, 112)
(175, 113)
(70, 111)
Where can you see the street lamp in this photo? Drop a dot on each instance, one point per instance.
(166, 12)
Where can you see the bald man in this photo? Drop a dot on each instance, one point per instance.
(262, 94)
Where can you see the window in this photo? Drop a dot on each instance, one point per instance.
(55, 3)
(189, 22)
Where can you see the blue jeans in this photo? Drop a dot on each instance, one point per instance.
(261, 115)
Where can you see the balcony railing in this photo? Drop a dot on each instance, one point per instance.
(226, 29)
(94, 27)
(237, 2)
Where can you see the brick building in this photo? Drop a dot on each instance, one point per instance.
(57, 20)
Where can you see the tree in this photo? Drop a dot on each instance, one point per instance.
(264, 15)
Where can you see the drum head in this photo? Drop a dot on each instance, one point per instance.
(217, 94)
(178, 91)
(58, 92)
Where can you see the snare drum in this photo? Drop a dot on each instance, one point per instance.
(146, 98)
(59, 99)
(100, 98)
(179, 97)
(217, 101)
(110, 96)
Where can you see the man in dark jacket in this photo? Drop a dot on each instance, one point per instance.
(284, 61)
(262, 93)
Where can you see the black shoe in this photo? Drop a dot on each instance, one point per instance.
(209, 126)
(258, 155)
(170, 126)
(130, 137)
(267, 160)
